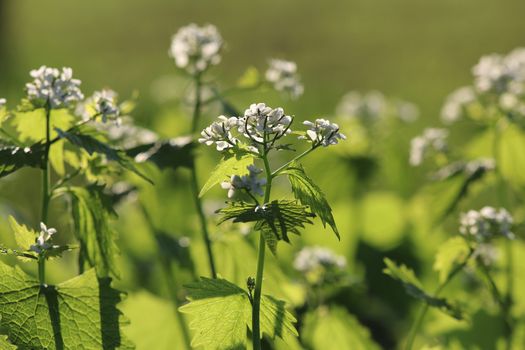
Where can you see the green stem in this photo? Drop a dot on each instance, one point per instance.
(256, 328)
(424, 309)
(195, 183)
(45, 194)
(287, 164)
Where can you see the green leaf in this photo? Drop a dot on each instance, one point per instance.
(90, 144)
(91, 211)
(274, 219)
(222, 312)
(13, 158)
(335, 329)
(308, 193)
(235, 165)
(24, 237)
(172, 153)
(80, 313)
(5, 345)
(449, 255)
(31, 126)
(415, 289)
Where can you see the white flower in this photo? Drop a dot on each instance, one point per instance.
(126, 134)
(310, 259)
(196, 48)
(431, 139)
(486, 223)
(250, 182)
(283, 76)
(106, 105)
(54, 87)
(262, 121)
(42, 242)
(455, 104)
(323, 132)
(219, 133)
(487, 253)
(2, 102)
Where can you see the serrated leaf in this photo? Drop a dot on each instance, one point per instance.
(172, 153)
(415, 289)
(308, 193)
(13, 158)
(222, 312)
(335, 329)
(24, 237)
(235, 165)
(80, 313)
(91, 211)
(274, 219)
(90, 144)
(450, 254)
(31, 126)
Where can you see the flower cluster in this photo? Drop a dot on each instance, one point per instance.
(56, 88)
(431, 139)
(220, 133)
(373, 106)
(322, 132)
(486, 223)
(196, 48)
(262, 121)
(126, 134)
(2, 102)
(250, 182)
(105, 102)
(283, 76)
(456, 103)
(42, 242)
(313, 259)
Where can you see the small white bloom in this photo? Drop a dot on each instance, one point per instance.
(250, 182)
(42, 242)
(486, 223)
(487, 253)
(2, 102)
(260, 120)
(283, 76)
(455, 104)
(219, 133)
(196, 48)
(323, 132)
(311, 259)
(126, 134)
(54, 87)
(431, 139)
(106, 104)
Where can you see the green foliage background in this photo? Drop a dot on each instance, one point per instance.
(411, 49)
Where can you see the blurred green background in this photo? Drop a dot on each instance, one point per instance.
(415, 50)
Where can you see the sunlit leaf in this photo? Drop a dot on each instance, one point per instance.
(235, 165)
(450, 254)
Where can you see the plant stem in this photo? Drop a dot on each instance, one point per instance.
(45, 194)
(424, 309)
(284, 166)
(256, 329)
(194, 181)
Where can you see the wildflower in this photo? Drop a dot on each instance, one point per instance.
(249, 182)
(56, 88)
(310, 259)
(368, 107)
(431, 139)
(456, 103)
(196, 48)
(219, 133)
(126, 134)
(42, 242)
(406, 111)
(261, 123)
(322, 132)
(106, 105)
(283, 75)
(486, 253)
(2, 102)
(487, 223)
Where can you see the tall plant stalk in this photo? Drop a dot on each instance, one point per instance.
(194, 181)
(45, 193)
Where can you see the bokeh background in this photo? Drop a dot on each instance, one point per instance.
(415, 50)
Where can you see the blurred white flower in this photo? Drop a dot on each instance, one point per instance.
(486, 223)
(196, 48)
(127, 134)
(106, 105)
(432, 139)
(42, 242)
(487, 253)
(455, 104)
(54, 87)
(262, 121)
(323, 132)
(250, 182)
(2, 102)
(219, 133)
(311, 259)
(283, 76)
